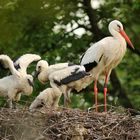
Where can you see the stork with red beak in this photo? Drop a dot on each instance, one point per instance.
(105, 55)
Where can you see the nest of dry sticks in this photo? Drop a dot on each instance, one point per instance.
(68, 124)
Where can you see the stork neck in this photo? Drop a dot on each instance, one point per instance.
(119, 37)
(12, 68)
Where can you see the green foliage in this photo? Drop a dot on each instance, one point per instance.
(50, 29)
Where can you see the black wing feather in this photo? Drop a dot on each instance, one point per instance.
(17, 67)
(90, 66)
(73, 77)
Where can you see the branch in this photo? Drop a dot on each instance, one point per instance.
(79, 26)
(93, 20)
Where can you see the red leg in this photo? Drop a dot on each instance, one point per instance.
(105, 91)
(96, 95)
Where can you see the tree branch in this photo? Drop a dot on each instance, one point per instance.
(93, 20)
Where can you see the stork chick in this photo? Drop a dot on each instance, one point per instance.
(69, 78)
(63, 77)
(43, 70)
(19, 82)
(48, 97)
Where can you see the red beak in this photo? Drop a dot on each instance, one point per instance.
(122, 32)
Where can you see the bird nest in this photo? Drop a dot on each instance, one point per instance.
(68, 124)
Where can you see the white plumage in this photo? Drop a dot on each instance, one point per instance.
(105, 55)
(68, 75)
(12, 86)
(43, 70)
(63, 77)
(24, 61)
(8, 63)
(48, 97)
(69, 78)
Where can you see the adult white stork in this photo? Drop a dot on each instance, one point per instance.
(105, 55)
(19, 82)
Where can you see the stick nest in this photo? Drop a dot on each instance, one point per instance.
(68, 124)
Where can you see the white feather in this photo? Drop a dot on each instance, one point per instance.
(9, 64)
(59, 72)
(49, 97)
(66, 88)
(25, 60)
(12, 86)
(45, 69)
(63, 73)
(112, 49)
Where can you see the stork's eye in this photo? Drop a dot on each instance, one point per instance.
(118, 26)
(39, 68)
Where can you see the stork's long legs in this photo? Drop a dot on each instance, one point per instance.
(105, 91)
(96, 95)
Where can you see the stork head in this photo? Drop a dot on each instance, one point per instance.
(41, 66)
(37, 104)
(116, 29)
(115, 25)
(26, 84)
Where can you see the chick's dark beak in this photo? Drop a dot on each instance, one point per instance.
(35, 74)
(31, 83)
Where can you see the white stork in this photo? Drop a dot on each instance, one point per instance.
(69, 78)
(43, 70)
(105, 55)
(19, 82)
(48, 97)
(63, 77)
